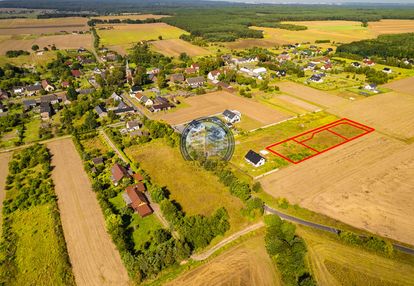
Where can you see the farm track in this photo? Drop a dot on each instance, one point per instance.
(94, 258)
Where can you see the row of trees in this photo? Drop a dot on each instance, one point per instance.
(288, 251)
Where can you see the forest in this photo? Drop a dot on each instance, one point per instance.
(400, 46)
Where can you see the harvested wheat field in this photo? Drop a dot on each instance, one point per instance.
(216, 102)
(94, 257)
(251, 43)
(131, 16)
(404, 85)
(300, 103)
(391, 27)
(311, 95)
(4, 171)
(68, 41)
(337, 264)
(367, 183)
(245, 264)
(42, 26)
(391, 113)
(174, 47)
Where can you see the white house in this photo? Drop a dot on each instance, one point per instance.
(258, 72)
(387, 70)
(213, 75)
(196, 81)
(371, 87)
(116, 97)
(144, 100)
(133, 125)
(254, 159)
(232, 116)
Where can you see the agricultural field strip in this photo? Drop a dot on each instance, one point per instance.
(94, 258)
(315, 131)
(4, 169)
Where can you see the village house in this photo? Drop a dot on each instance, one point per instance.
(50, 99)
(161, 103)
(123, 108)
(326, 67)
(115, 97)
(3, 108)
(64, 99)
(177, 78)
(387, 70)
(98, 161)
(284, 57)
(356, 65)
(195, 82)
(138, 133)
(118, 172)
(135, 199)
(133, 125)
(76, 73)
(29, 104)
(64, 84)
(45, 110)
(232, 116)
(368, 63)
(34, 89)
(213, 75)
(259, 72)
(281, 73)
(254, 159)
(190, 71)
(101, 111)
(225, 86)
(316, 78)
(310, 66)
(144, 100)
(47, 86)
(372, 87)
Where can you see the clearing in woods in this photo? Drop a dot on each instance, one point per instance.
(337, 264)
(174, 47)
(216, 102)
(94, 258)
(245, 264)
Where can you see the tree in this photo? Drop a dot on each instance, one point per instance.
(71, 93)
(35, 47)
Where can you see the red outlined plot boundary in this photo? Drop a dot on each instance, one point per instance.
(307, 136)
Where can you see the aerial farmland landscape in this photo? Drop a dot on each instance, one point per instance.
(180, 142)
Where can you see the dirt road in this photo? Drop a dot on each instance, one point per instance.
(93, 256)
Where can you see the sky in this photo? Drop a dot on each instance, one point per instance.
(323, 1)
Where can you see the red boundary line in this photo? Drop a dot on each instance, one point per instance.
(346, 121)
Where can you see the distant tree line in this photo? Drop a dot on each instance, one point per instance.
(95, 21)
(398, 46)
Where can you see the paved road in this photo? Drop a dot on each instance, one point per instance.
(208, 253)
(402, 248)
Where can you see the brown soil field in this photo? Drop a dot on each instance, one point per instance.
(217, 102)
(245, 264)
(174, 47)
(404, 85)
(94, 258)
(42, 26)
(310, 94)
(132, 17)
(391, 113)
(4, 171)
(367, 183)
(392, 27)
(300, 103)
(68, 41)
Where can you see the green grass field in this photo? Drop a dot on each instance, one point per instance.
(39, 257)
(196, 190)
(133, 33)
(31, 134)
(260, 139)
